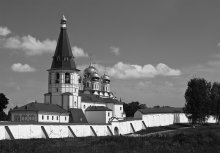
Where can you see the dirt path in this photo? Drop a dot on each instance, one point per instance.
(158, 133)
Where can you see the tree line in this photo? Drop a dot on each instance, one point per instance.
(202, 100)
(3, 105)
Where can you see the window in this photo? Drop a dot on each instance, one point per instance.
(47, 117)
(67, 77)
(65, 118)
(120, 108)
(26, 118)
(17, 118)
(42, 117)
(57, 78)
(30, 117)
(75, 103)
(84, 106)
(22, 118)
(87, 84)
(80, 80)
(52, 117)
(57, 89)
(108, 114)
(33, 118)
(57, 117)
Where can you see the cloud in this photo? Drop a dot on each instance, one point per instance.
(126, 71)
(18, 67)
(4, 31)
(115, 50)
(130, 71)
(32, 46)
(78, 52)
(29, 44)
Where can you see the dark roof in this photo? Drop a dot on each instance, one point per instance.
(41, 107)
(77, 116)
(97, 99)
(67, 93)
(98, 108)
(63, 58)
(161, 110)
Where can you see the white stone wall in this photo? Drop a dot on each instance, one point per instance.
(27, 131)
(152, 120)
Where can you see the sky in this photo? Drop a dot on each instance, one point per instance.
(149, 48)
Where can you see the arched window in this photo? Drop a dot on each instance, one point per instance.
(87, 84)
(57, 78)
(116, 131)
(30, 117)
(17, 118)
(33, 118)
(67, 77)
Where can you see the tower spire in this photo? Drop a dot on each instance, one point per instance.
(63, 58)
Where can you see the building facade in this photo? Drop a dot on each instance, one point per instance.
(68, 89)
(39, 112)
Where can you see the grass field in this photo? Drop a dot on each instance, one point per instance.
(203, 139)
(162, 128)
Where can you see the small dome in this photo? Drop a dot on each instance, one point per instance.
(105, 77)
(95, 75)
(90, 70)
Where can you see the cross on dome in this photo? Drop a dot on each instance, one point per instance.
(63, 22)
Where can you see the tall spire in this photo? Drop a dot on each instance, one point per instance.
(63, 58)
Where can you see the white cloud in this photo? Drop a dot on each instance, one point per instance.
(115, 50)
(127, 71)
(18, 67)
(4, 31)
(29, 44)
(79, 52)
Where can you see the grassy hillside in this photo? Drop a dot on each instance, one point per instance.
(198, 140)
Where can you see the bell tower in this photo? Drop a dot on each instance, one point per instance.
(63, 77)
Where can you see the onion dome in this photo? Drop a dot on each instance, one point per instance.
(106, 77)
(89, 70)
(95, 75)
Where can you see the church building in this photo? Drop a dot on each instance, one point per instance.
(78, 94)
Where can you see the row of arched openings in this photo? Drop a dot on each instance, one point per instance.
(19, 118)
(67, 78)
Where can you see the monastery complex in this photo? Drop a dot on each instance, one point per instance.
(80, 105)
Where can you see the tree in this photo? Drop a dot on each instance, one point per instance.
(3, 105)
(215, 99)
(132, 107)
(197, 96)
